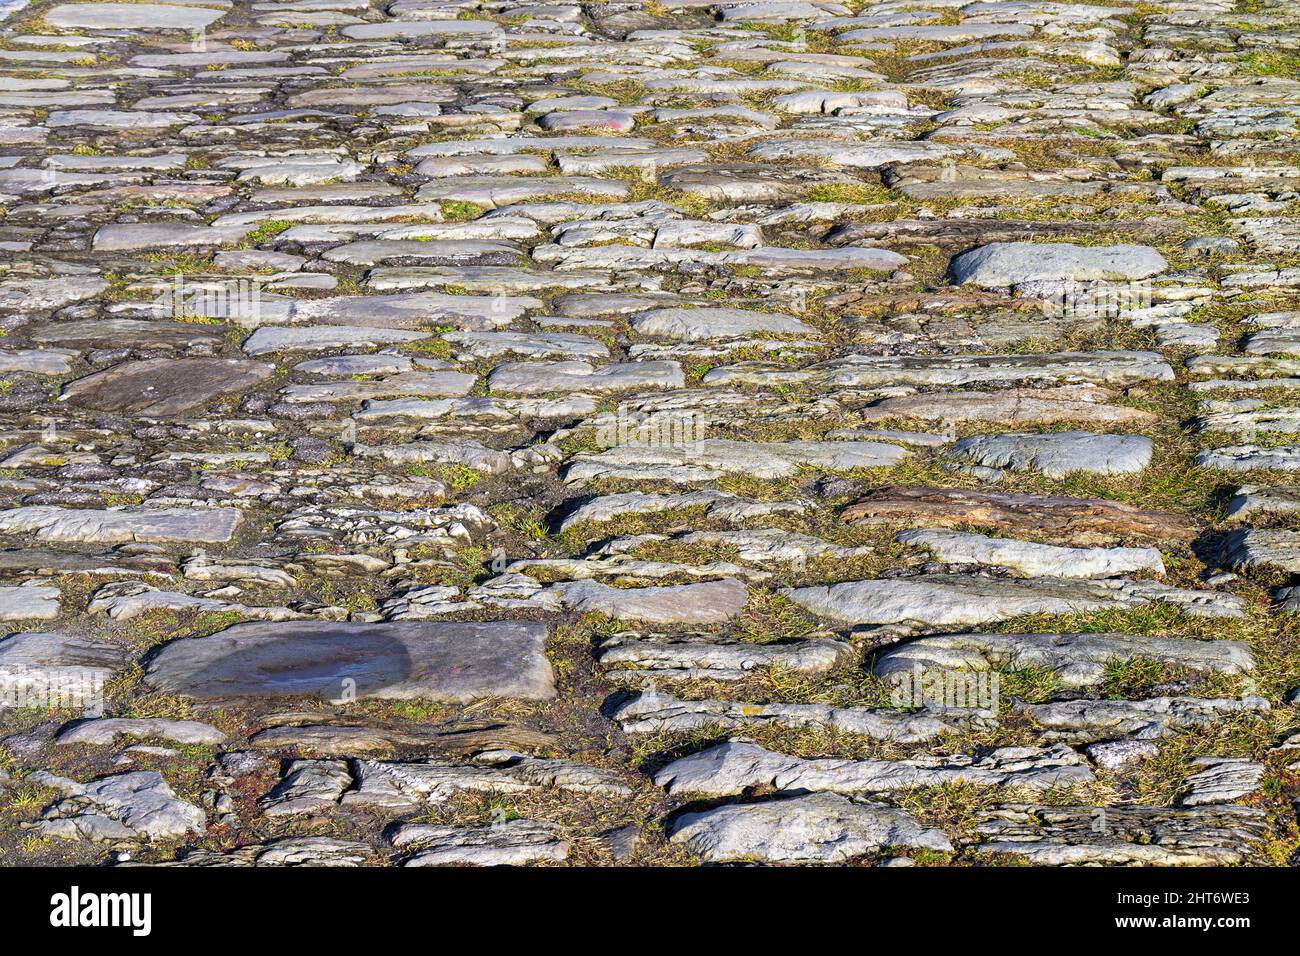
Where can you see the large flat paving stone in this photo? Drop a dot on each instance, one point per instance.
(442, 661)
(655, 711)
(711, 458)
(35, 665)
(938, 600)
(1002, 264)
(731, 768)
(133, 16)
(162, 387)
(1078, 660)
(1057, 454)
(1073, 519)
(116, 526)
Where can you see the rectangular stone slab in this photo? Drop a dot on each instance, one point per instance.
(131, 16)
(455, 662)
(1076, 518)
(110, 526)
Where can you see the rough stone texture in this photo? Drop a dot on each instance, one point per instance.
(1073, 519)
(943, 600)
(288, 851)
(1079, 660)
(544, 370)
(1032, 559)
(130, 806)
(712, 458)
(147, 525)
(106, 731)
(1058, 454)
(511, 843)
(710, 603)
(1101, 368)
(733, 767)
(652, 712)
(1221, 780)
(1079, 721)
(131, 16)
(1262, 548)
(685, 659)
(818, 828)
(398, 786)
(1124, 836)
(1066, 403)
(32, 602)
(33, 664)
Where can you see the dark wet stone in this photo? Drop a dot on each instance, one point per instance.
(163, 387)
(452, 662)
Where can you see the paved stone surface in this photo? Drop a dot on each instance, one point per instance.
(425, 426)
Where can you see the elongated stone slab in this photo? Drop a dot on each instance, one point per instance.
(164, 387)
(37, 667)
(719, 660)
(1002, 264)
(1252, 500)
(29, 602)
(106, 731)
(710, 602)
(692, 325)
(115, 526)
(1221, 779)
(442, 661)
(1066, 403)
(716, 505)
(956, 599)
(730, 768)
(132, 16)
(1124, 835)
(401, 785)
(540, 378)
(1078, 660)
(654, 711)
(1262, 547)
(1034, 559)
(267, 341)
(1251, 458)
(1103, 368)
(711, 458)
(1081, 721)
(1073, 518)
(1058, 454)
